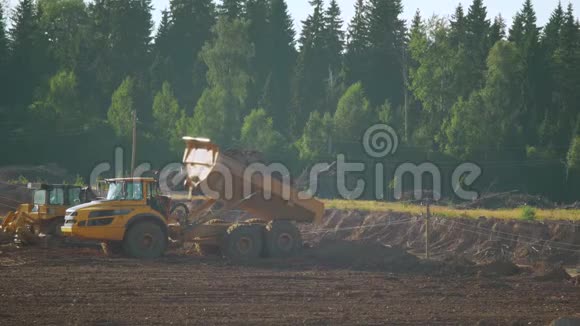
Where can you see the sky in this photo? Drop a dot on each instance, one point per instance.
(300, 9)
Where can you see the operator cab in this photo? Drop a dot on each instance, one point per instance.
(138, 189)
(55, 195)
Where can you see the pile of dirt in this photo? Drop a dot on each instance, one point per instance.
(546, 272)
(499, 268)
(480, 240)
(363, 255)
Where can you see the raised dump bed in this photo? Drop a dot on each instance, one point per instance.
(235, 183)
(249, 187)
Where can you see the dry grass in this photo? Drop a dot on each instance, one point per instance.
(508, 214)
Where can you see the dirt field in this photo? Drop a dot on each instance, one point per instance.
(80, 286)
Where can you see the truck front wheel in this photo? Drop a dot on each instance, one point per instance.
(145, 240)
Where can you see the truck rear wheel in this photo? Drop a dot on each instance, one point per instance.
(145, 240)
(283, 239)
(243, 242)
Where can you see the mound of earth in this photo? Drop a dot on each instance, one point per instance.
(499, 268)
(546, 272)
(363, 255)
(480, 240)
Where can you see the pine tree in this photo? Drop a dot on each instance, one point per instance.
(551, 34)
(387, 38)
(357, 46)
(161, 66)
(4, 55)
(311, 70)
(497, 31)
(29, 52)
(568, 61)
(283, 60)
(232, 9)
(334, 37)
(190, 29)
(256, 14)
(458, 27)
(532, 90)
(477, 42)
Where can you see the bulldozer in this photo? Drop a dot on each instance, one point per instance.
(45, 215)
(136, 219)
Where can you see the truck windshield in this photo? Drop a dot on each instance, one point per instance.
(40, 197)
(125, 191)
(56, 196)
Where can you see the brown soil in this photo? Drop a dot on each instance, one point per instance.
(81, 286)
(482, 240)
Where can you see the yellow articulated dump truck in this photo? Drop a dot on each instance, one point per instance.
(136, 217)
(45, 216)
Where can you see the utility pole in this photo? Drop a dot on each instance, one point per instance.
(427, 226)
(134, 147)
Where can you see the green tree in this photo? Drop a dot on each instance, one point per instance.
(4, 54)
(258, 133)
(316, 141)
(353, 116)
(61, 104)
(496, 107)
(458, 24)
(311, 69)
(65, 23)
(573, 157)
(167, 113)
(122, 107)
(29, 52)
(550, 43)
(277, 96)
(387, 38)
(334, 37)
(477, 43)
(189, 28)
(232, 9)
(497, 31)
(567, 61)
(210, 118)
(357, 47)
(228, 60)
(256, 14)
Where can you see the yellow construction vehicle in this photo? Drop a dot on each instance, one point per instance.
(136, 218)
(45, 215)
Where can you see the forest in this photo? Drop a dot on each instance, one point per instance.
(460, 88)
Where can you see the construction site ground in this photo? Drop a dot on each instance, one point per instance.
(82, 286)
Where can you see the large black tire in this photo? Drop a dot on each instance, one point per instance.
(243, 242)
(145, 240)
(283, 239)
(54, 227)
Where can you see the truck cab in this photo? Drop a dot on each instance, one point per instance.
(133, 215)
